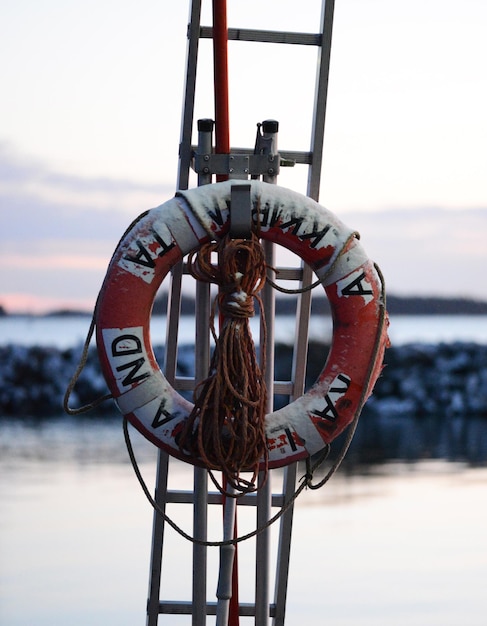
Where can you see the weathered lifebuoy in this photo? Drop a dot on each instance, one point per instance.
(161, 237)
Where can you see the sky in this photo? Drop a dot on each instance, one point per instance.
(90, 119)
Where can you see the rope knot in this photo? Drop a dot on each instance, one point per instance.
(241, 275)
(236, 304)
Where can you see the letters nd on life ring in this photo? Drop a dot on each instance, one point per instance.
(161, 237)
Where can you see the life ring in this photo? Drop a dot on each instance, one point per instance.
(161, 237)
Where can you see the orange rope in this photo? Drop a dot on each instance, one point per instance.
(226, 426)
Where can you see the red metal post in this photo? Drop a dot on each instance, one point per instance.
(220, 69)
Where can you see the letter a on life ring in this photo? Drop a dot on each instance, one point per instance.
(161, 237)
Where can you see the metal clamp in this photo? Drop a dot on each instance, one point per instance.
(241, 212)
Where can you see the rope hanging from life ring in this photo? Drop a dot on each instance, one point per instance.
(226, 427)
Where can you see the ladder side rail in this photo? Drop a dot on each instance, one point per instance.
(262, 553)
(298, 376)
(172, 323)
(200, 475)
(201, 367)
(320, 100)
(158, 526)
(264, 495)
(158, 523)
(284, 547)
(185, 147)
(303, 308)
(300, 352)
(313, 189)
(173, 311)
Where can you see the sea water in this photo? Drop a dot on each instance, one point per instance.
(396, 543)
(69, 331)
(401, 544)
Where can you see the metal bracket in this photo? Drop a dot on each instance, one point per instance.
(237, 165)
(241, 212)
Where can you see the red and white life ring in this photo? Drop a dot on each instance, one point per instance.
(161, 237)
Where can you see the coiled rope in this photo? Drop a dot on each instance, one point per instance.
(226, 427)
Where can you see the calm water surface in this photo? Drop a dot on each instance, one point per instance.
(399, 545)
(69, 331)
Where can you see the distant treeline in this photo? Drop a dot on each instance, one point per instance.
(286, 305)
(396, 305)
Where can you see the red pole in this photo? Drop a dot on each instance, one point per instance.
(222, 146)
(220, 69)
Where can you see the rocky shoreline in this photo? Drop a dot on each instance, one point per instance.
(430, 401)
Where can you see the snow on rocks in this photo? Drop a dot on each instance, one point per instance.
(431, 400)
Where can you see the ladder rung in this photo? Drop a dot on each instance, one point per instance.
(187, 383)
(298, 156)
(245, 609)
(184, 383)
(179, 496)
(289, 273)
(266, 36)
(282, 273)
(283, 387)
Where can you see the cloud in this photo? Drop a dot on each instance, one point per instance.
(25, 216)
(31, 186)
(58, 231)
(54, 250)
(15, 169)
(428, 251)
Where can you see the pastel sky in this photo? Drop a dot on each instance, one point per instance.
(90, 117)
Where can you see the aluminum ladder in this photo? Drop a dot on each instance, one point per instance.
(262, 609)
